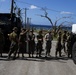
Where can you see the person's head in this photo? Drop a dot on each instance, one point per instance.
(40, 32)
(15, 29)
(65, 32)
(59, 33)
(68, 33)
(23, 29)
(49, 31)
(31, 31)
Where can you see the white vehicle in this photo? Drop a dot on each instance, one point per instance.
(74, 28)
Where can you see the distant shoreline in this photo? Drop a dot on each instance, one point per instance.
(49, 27)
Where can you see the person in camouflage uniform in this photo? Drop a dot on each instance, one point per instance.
(22, 42)
(39, 43)
(14, 43)
(48, 38)
(72, 41)
(1, 42)
(31, 40)
(64, 39)
(69, 44)
(58, 45)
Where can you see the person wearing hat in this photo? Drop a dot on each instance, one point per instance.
(22, 41)
(31, 40)
(48, 38)
(14, 43)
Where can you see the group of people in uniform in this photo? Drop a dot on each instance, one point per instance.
(26, 40)
(65, 42)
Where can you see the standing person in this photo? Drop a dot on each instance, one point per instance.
(14, 43)
(74, 49)
(48, 39)
(22, 43)
(64, 40)
(69, 44)
(74, 53)
(39, 43)
(1, 42)
(73, 39)
(31, 39)
(58, 45)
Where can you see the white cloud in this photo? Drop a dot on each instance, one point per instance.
(33, 7)
(63, 12)
(2, 0)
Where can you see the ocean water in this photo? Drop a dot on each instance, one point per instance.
(49, 27)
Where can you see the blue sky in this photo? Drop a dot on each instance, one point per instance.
(57, 9)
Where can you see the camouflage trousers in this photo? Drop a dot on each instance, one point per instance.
(13, 49)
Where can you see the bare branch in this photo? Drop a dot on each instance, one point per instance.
(47, 18)
(60, 19)
(60, 26)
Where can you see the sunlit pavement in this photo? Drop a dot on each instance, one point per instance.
(38, 66)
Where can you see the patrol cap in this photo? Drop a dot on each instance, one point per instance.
(15, 28)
